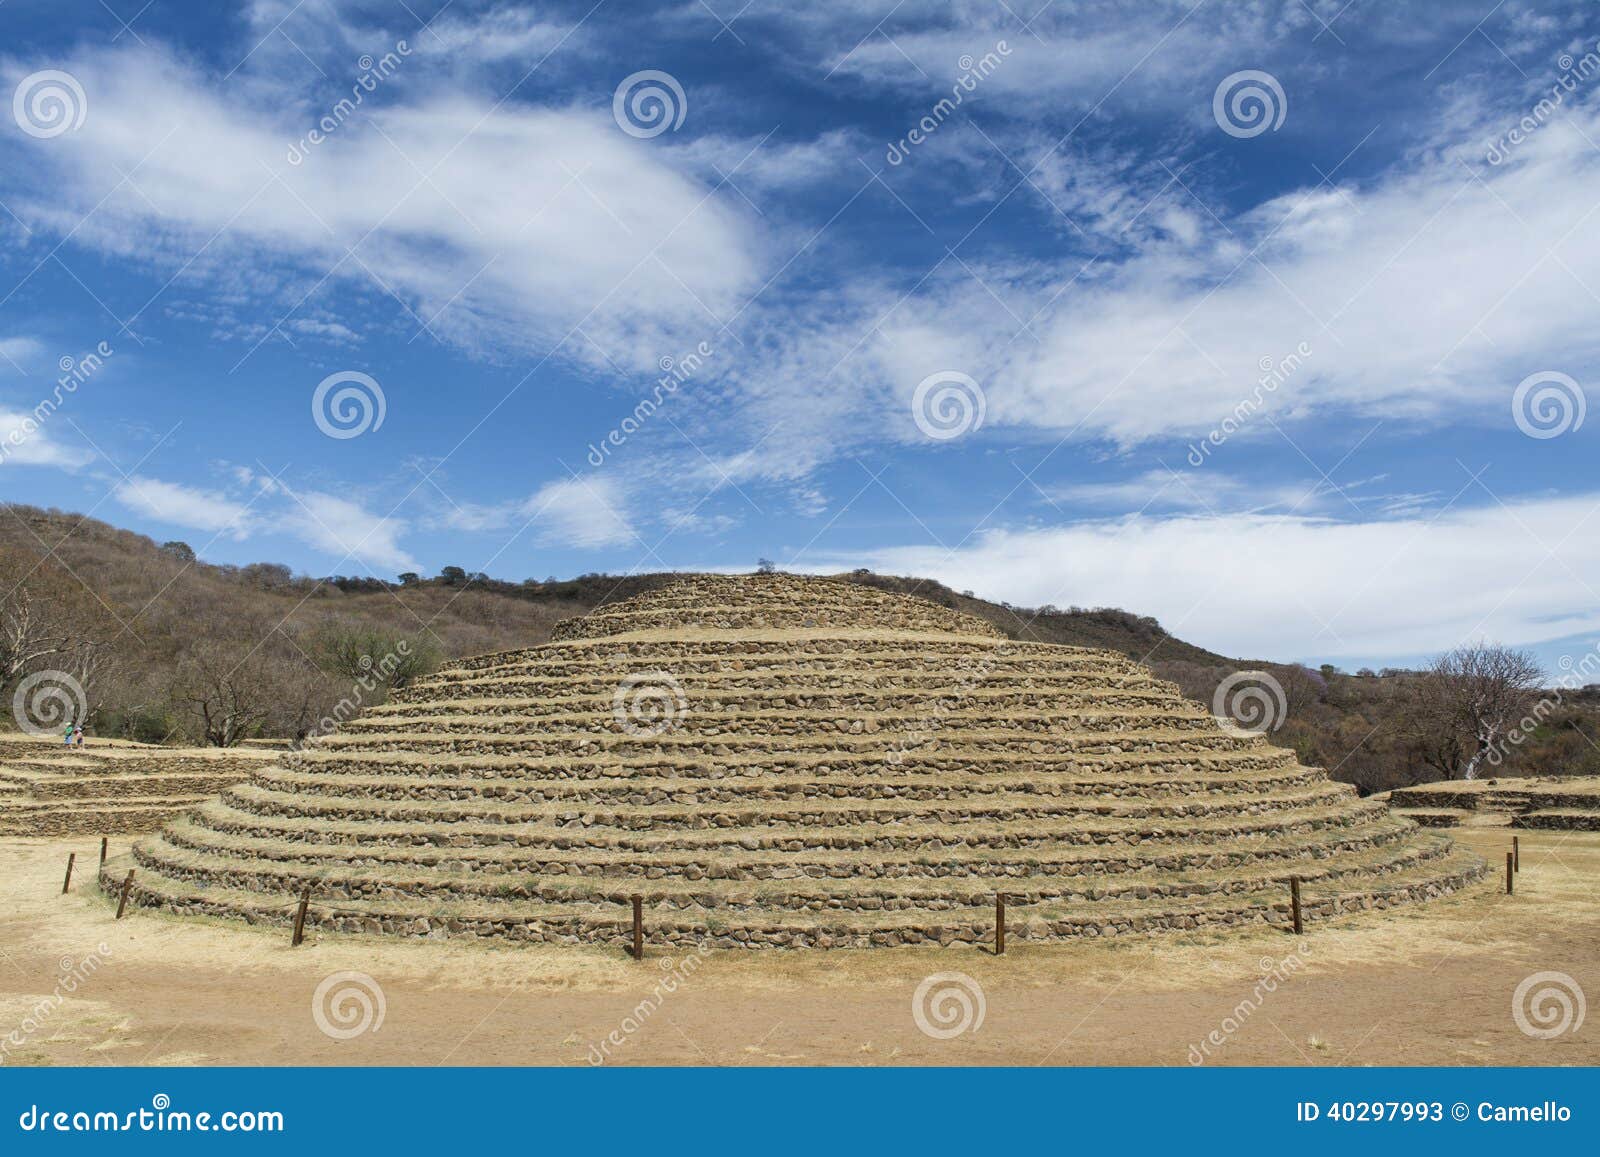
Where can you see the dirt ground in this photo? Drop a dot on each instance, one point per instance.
(1424, 985)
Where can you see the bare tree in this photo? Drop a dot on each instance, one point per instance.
(48, 621)
(219, 684)
(1466, 704)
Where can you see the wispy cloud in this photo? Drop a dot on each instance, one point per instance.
(187, 506)
(1294, 587)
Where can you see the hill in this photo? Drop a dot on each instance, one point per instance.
(187, 650)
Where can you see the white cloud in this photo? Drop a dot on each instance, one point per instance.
(582, 512)
(340, 526)
(1184, 489)
(344, 528)
(1424, 295)
(1292, 587)
(504, 225)
(26, 441)
(500, 34)
(183, 505)
(15, 353)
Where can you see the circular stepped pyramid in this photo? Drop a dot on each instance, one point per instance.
(771, 761)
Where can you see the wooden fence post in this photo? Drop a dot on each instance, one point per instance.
(1294, 905)
(638, 927)
(103, 842)
(1000, 924)
(1511, 866)
(127, 886)
(1516, 853)
(67, 883)
(300, 918)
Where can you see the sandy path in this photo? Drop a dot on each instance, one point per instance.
(1428, 985)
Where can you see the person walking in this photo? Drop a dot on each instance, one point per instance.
(71, 729)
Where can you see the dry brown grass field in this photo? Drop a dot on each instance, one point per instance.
(813, 810)
(1420, 984)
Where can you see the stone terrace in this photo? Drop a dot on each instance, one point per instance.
(772, 761)
(1549, 802)
(47, 789)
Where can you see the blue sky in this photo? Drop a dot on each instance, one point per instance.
(1095, 248)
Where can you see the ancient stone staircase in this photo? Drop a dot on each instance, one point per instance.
(47, 789)
(1552, 802)
(774, 761)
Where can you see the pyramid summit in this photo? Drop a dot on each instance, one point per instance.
(775, 761)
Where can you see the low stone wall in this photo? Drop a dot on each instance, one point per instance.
(615, 932)
(1571, 821)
